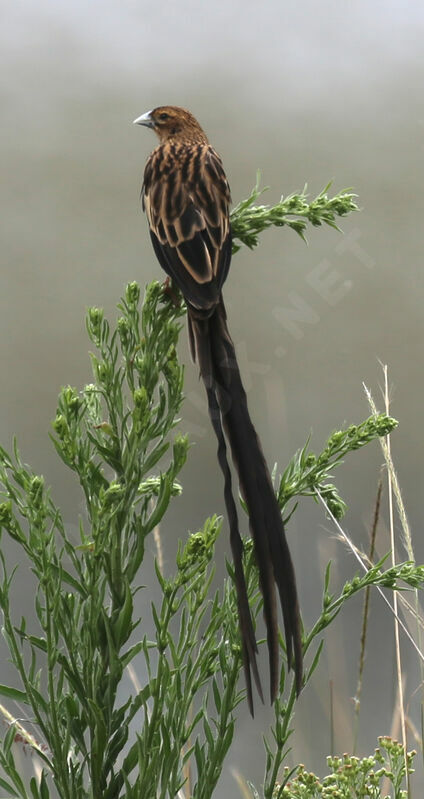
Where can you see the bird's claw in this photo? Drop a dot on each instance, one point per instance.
(170, 292)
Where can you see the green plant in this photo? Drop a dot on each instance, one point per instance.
(355, 778)
(248, 219)
(117, 436)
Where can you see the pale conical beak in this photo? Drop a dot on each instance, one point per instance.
(145, 119)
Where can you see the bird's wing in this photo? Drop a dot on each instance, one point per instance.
(186, 198)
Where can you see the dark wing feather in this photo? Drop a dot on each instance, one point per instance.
(203, 295)
(186, 198)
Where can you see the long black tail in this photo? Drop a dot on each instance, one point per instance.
(213, 348)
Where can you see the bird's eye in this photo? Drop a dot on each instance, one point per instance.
(164, 116)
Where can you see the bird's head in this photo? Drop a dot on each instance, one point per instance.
(172, 122)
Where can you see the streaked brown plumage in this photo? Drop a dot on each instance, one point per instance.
(186, 197)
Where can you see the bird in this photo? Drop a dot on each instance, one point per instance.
(186, 198)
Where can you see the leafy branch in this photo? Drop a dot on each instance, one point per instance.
(307, 474)
(294, 211)
(355, 778)
(403, 576)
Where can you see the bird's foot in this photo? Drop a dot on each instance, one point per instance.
(170, 292)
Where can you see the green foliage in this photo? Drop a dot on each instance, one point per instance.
(95, 736)
(354, 778)
(401, 576)
(307, 474)
(294, 211)
(111, 435)
(192, 679)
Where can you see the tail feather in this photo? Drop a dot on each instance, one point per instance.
(200, 347)
(229, 413)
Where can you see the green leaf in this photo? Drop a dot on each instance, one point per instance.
(44, 791)
(315, 661)
(7, 787)
(13, 693)
(122, 627)
(216, 695)
(128, 656)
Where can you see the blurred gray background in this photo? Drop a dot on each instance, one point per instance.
(306, 93)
